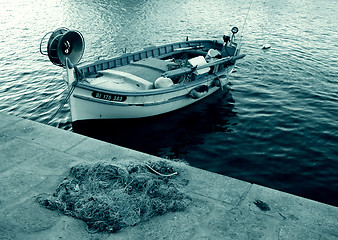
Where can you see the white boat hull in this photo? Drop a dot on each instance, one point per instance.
(85, 107)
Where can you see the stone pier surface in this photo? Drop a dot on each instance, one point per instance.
(34, 158)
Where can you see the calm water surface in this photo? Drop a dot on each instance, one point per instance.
(277, 126)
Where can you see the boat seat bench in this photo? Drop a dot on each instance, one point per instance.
(149, 69)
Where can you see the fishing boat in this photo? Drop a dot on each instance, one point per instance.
(144, 83)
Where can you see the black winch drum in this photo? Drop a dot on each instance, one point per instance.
(63, 44)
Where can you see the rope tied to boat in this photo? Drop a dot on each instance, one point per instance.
(243, 27)
(63, 103)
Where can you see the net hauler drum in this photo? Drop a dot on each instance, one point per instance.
(64, 43)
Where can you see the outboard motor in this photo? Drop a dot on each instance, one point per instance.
(227, 39)
(229, 48)
(62, 44)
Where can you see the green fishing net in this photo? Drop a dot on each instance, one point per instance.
(109, 197)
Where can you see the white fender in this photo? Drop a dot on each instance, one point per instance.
(163, 82)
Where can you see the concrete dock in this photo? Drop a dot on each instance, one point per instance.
(34, 158)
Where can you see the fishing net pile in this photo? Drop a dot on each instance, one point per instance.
(109, 197)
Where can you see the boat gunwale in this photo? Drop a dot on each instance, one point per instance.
(148, 52)
(202, 79)
(169, 49)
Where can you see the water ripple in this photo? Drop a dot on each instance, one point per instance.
(278, 126)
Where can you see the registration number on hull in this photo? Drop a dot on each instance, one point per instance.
(109, 97)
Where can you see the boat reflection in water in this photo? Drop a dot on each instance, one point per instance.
(167, 135)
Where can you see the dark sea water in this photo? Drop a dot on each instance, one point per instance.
(278, 124)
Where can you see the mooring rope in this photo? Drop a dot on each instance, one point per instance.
(243, 27)
(63, 103)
